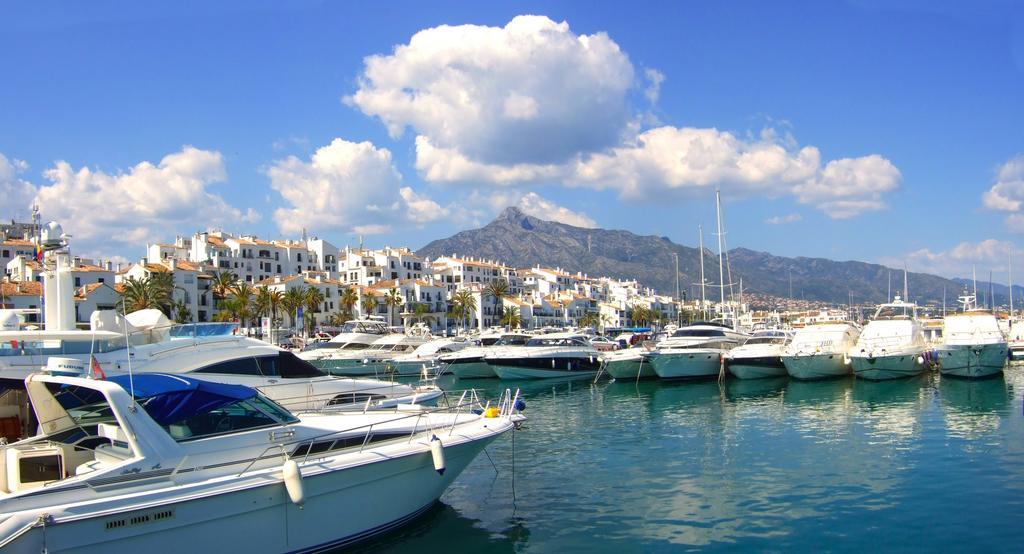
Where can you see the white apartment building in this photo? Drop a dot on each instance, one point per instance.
(368, 267)
(456, 272)
(329, 288)
(186, 280)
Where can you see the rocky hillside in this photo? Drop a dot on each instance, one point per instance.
(520, 240)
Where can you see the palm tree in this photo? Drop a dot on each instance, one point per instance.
(368, 305)
(421, 313)
(292, 301)
(313, 298)
(392, 299)
(498, 290)
(510, 318)
(347, 301)
(589, 319)
(222, 283)
(243, 293)
(463, 304)
(641, 315)
(163, 282)
(231, 309)
(182, 311)
(142, 294)
(261, 304)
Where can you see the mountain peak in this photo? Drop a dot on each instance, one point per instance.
(511, 213)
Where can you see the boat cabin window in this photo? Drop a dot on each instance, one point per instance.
(243, 415)
(285, 365)
(489, 341)
(355, 346)
(766, 340)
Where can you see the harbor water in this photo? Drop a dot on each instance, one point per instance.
(841, 465)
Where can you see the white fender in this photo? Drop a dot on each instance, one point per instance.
(293, 482)
(437, 452)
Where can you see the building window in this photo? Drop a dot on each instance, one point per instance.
(78, 283)
(298, 256)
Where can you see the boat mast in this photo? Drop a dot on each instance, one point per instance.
(721, 270)
(1009, 268)
(703, 297)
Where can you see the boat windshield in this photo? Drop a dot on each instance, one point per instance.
(766, 340)
(512, 340)
(698, 333)
(551, 341)
(371, 327)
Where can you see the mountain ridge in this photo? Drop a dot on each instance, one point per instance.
(521, 240)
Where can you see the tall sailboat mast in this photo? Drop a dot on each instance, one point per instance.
(703, 296)
(1009, 268)
(721, 269)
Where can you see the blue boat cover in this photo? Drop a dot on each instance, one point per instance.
(173, 398)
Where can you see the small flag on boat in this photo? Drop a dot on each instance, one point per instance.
(97, 371)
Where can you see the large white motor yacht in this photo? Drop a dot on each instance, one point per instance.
(760, 356)
(695, 351)
(819, 351)
(129, 465)
(973, 345)
(892, 344)
(372, 360)
(469, 363)
(425, 359)
(343, 348)
(545, 356)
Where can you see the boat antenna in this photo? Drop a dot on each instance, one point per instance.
(974, 278)
(128, 349)
(906, 293)
(943, 301)
(1009, 268)
(991, 294)
(888, 295)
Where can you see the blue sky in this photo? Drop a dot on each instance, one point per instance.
(878, 131)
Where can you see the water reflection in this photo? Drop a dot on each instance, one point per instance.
(974, 408)
(755, 465)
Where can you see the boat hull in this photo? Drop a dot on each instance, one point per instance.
(889, 366)
(972, 361)
(272, 523)
(695, 364)
(413, 368)
(816, 366)
(756, 368)
(473, 369)
(544, 367)
(630, 369)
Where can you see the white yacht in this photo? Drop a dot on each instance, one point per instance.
(129, 465)
(695, 351)
(469, 363)
(760, 356)
(545, 356)
(355, 335)
(892, 344)
(209, 351)
(425, 359)
(819, 351)
(628, 363)
(374, 359)
(973, 344)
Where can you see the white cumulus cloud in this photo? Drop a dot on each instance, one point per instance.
(989, 254)
(16, 192)
(347, 186)
(783, 219)
(149, 202)
(533, 103)
(529, 92)
(1008, 191)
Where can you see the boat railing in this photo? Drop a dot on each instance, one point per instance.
(469, 402)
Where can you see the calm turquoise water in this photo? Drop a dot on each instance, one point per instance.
(925, 463)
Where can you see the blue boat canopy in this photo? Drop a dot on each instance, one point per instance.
(173, 398)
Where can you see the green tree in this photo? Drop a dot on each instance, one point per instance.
(368, 304)
(510, 318)
(313, 298)
(463, 305)
(392, 299)
(640, 315)
(421, 313)
(347, 302)
(589, 319)
(222, 283)
(497, 290)
(242, 294)
(143, 294)
(182, 311)
(293, 299)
